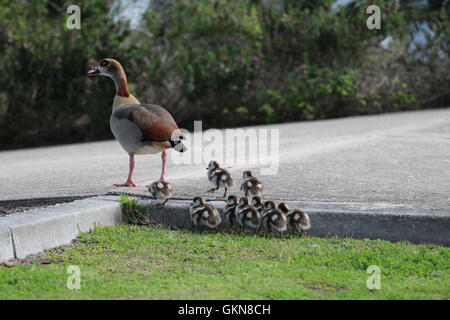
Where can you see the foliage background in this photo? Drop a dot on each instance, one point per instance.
(228, 63)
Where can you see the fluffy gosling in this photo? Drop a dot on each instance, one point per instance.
(257, 203)
(219, 177)
(230, 211)
(274, 220)
(204, 215)
(251, 184)
(161, 190)
(297, 220)
(247, 215)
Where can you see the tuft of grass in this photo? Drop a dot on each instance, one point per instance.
(133, 213)
(132, 262)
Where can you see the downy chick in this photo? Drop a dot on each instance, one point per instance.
(204, 214)
(274, 220)
(219, 177)
(297, 220)
(247, 215)
(161, 190)
(257, 203)
(230, 211)
(251, 184)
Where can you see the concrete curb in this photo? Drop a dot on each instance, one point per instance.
(6, 245)
(22, 234)
(376, 221)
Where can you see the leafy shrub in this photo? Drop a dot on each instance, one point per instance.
(228, 63)
(133, 213)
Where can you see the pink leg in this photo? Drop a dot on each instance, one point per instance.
(164, 163)
(130, 182)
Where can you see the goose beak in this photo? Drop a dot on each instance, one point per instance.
(94, 72)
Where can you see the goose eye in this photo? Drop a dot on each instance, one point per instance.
(104, 63)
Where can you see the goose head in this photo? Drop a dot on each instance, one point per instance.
(107, 67)
(113, 69)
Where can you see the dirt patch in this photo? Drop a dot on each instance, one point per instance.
(9, 210)
(321, 286)
(22, 205)
(40, 258)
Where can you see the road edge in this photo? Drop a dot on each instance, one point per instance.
(385, 223)
(22, 234)
(30, 232)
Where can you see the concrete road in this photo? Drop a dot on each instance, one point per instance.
(396, 160)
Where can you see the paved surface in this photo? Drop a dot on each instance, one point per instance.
(398, 160)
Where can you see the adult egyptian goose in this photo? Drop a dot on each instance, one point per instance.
(139, 128)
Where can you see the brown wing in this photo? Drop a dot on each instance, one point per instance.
(155, 122)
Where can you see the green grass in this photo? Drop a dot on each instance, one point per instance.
(157, 263)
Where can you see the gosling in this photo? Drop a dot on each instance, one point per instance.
(274, 220)
(257, 203)
(230, 211)
(297, 220)
(161, 190)
(204, 215)
(251, 184)
(247, 215)
(219, 177)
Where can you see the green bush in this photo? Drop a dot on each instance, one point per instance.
(49, 98)
(228, 63)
